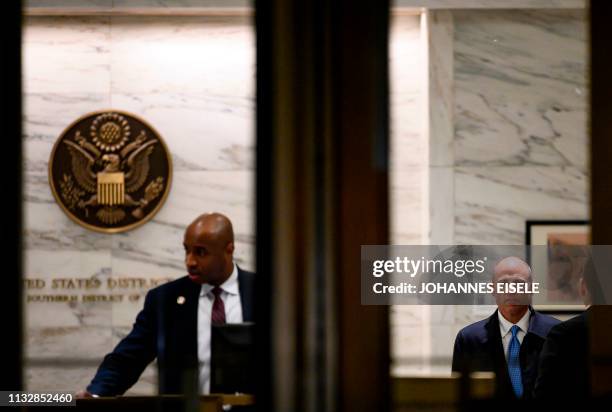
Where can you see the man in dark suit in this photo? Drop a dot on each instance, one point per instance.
(509, 341)
(175, 324)
(564, 361)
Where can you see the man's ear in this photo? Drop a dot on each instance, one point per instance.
(229, 248)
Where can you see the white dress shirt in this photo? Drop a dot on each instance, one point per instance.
(233, 314)
(505, 326)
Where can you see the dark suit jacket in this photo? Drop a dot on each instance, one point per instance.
(166, 330)
(479, 347)
(564, 361)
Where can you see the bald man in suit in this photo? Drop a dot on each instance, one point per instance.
(509, 341)
(175, 324)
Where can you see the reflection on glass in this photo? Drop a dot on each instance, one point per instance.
(489, 130)
(191, 76)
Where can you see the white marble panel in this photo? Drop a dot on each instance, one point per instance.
(434, 4)
(408, 179)
(442, 314)
(215, 176)
(52, 269)
(47, 227)
(408, 206)
(198, 55)
(118, 4)
(410, 339)
(521, 93)
(66, 55)
(492, 203)
(492, 4)
(65, 329)
(442, 343)
(230, 193)
(441, 205)
(46, 115)
(202, 131)
(68, 343)
(68, 3)
(71, 377)
(57, 377)
(408, 315)
(410, 343)
(408, 351)
(407, 73)
(440, 85)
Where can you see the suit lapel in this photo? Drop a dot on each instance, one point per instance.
(496, 350)
(186, 307)
(245, 287)
(530, 350)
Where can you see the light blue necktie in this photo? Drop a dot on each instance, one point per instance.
(514, 365)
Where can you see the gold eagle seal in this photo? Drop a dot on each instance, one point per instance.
(110, 171)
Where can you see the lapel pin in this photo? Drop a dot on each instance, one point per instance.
(180, 300)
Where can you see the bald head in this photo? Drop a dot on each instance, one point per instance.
(216, 226)
(512, 265)
(512, 269)
(209, 249)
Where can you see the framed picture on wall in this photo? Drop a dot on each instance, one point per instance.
(557, 272)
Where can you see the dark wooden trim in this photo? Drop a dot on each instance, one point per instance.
(601, 183)
(12, 376)
(322, 192)
(264, 204)
(363, 130)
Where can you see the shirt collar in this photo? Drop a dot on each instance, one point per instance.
(230, 285)
(505, 325)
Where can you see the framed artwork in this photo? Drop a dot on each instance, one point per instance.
(556, 271)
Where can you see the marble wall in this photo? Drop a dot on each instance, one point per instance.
(520, 126)
(408, 174)
(488, 112)
(408, 154)
(192, 78)
(518, 121)
(244, 4)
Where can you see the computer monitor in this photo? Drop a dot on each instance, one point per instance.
(232, 358)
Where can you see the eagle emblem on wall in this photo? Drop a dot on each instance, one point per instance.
(110, 171)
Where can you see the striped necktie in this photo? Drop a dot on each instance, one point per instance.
(218, 309)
